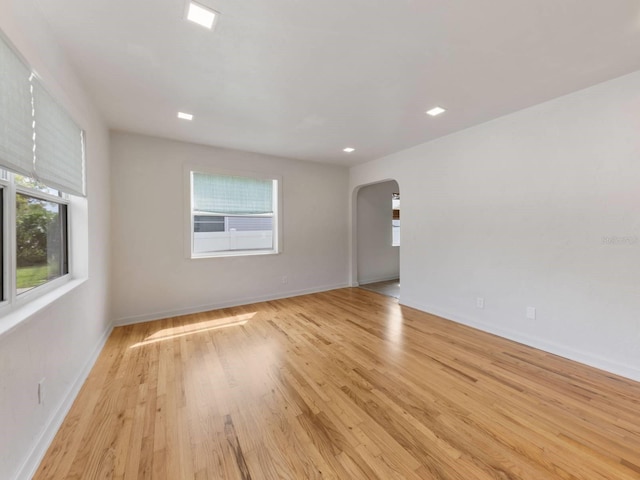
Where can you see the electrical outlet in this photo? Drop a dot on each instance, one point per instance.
(531, 313)
(480, 302)
(41, 392)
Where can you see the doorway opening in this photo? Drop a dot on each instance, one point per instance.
(378, 238)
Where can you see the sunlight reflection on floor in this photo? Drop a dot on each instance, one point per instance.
(184, 330)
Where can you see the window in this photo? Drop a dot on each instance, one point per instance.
(41, 166)
(37, 233)
(232, 215)
(395, 222)
(41, 234)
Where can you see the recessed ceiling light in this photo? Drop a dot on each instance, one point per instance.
(435, 111)
(349, 150)
(201, 15)
(185, 116)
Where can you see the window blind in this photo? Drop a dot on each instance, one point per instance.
(231, 195)
(59, 148)
(38, 138)
(16, 129)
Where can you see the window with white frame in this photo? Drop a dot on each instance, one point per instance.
(39, 215)
(233, 214)
(395, 221)
(41, 168)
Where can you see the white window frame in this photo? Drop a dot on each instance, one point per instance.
(11, 298)
(14, 308)
(188, 203)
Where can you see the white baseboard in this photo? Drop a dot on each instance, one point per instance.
(35, 456)
(587, 358)
(148, 317)
(385, 278)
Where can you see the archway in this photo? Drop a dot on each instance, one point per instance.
(376, 227)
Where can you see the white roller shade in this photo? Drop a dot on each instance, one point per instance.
(59, 145)
(38, 138)
(230, 195)
(16, 120)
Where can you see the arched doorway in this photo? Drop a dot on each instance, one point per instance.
(377, 237)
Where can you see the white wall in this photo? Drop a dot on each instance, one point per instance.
(378, 260)
(152, 278)
(59, 342)
(539, 208)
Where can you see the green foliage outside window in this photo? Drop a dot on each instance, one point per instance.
(38, 241)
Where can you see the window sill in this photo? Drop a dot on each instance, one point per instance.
(12, 316)
(243, 253)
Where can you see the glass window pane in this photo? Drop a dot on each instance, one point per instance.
(250, 224)
(2, 259)
(395, 222)
(41, 250)
(204, 223)
(233, 234)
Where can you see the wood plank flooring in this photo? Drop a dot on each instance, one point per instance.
(340, 385)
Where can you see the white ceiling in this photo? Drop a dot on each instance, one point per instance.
(304, 79)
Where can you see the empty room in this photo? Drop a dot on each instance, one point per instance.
(328, 239)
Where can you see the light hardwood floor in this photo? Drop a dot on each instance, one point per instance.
(345, 385)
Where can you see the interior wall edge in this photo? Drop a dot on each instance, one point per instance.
(149, 317)
(32, 461)
(386, 278)
(565, 351)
